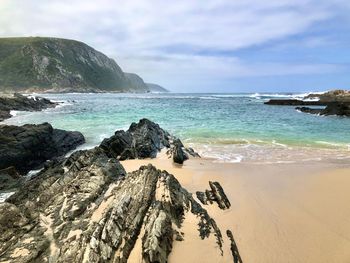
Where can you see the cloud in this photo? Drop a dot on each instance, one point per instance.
(143, 35)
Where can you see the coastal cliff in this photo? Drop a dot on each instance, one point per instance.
(39, 64)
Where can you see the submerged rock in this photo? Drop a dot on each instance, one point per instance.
(216, 194)
(29, 146)
(144, 140)
(85, 208)
(309, 110)
(22, 103)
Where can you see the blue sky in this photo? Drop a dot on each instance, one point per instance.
(203, 46)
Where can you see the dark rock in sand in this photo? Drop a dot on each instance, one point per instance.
(179, 155)
(216, 194)
(234, 249)
(144, 140)
(29, 146)
(85, 208)
(22, 103)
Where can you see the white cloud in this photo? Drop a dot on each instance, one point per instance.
(141, 35)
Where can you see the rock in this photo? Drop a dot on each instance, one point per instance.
(332, 108)
(179, 155)
(292, 102)
(22, 103)
(9, 178)
(216, 194)
(337, 108)
(309, 110)
(144, 140)
(27, 147)
(85, 208)
(331, 96)
(234, 249)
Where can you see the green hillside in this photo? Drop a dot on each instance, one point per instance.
(42, 64)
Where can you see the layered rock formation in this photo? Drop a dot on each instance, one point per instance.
(22, 103)
(215, 194)
(29, 146)
(144, 140)
(85, 208)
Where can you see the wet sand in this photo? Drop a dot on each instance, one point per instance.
(279, 212)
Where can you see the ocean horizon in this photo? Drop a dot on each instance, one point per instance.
(227, 127)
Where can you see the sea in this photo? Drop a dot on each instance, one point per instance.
(233, 128)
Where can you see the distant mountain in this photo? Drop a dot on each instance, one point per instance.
(38, 64)
(156, 88)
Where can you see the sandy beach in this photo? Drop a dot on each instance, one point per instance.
(280, 212)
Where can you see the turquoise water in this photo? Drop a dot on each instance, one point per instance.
(228, 127)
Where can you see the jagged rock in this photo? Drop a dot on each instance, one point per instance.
(234, 249)
(86, 209)
(144, 140)
(179, 155)
(216, 194)
(29, 146)
(22, 103)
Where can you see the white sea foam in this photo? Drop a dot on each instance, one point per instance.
(14, 113)
(31, 173)
(4, 196)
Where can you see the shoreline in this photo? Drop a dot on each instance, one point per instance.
(280, 212)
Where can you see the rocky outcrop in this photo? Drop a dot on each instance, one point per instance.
(292, 102)
(144, 140)
(22, 103)
(215, 194)
(332, 108)
(331, 96)
(29, 146)
(337, 102)
(85, 208)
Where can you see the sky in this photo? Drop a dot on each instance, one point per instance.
(203, 46)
